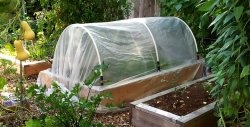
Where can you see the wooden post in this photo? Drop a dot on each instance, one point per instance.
(141, 8)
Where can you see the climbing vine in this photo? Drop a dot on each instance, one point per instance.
(229, 58)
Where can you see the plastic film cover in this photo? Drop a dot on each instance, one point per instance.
(129, 48)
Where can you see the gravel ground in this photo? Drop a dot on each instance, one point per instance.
(120, 119)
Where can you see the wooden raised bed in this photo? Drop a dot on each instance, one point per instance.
(143, 115)
(124, 93)
(29, 68)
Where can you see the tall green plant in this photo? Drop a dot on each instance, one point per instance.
(229, 58)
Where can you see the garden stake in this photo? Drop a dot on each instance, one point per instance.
(21, 84)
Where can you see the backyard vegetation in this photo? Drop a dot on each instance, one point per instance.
(221, 28)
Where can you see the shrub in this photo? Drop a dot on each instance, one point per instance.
(56, 15)
(63, 108)
(229, 58)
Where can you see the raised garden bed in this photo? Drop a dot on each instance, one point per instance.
(124, 93)
(187, 105)
(29, 68)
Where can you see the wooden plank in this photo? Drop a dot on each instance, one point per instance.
(202, 117)
(30, 69)
(138, 89)
(126, 92)
(197, 113)
(143, 119)
(206, 120)
(158, 112)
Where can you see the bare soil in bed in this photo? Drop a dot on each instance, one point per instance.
(183, 101)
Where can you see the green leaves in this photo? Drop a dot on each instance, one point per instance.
(3, 82)
(218, 18)
(33, 123)
(245, 72)
(178, 7)
(228, 18)
(229, 58)
(238, 12)
(208, 5)
(95, 74)
(61, 108)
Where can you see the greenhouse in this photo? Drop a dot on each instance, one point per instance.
(126, 49)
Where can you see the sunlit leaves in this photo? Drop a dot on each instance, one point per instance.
(33, 123)
(3, 82)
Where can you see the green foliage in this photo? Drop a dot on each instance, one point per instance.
(8, 49)
(32, 123)
(3, 82)
(187, 11)
(7, 7)
(65, 108)
(62, 109)
(48, 18)
(7, 69)
(10, 11)
(229, 58)
(56, 15)
(95, 74)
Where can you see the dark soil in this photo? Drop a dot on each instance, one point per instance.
(183, 101)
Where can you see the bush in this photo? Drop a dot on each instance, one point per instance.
(48, 18)
(63, 108)
(56, 15)
(229, 59)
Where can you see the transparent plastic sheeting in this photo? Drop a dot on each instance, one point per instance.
(129, 48)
